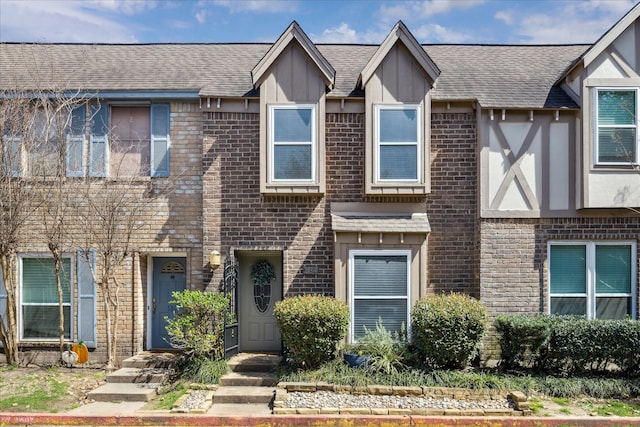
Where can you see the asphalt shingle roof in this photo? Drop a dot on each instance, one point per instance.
(497, 76)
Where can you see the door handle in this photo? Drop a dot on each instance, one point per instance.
(154, 305)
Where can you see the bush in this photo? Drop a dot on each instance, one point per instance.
(311, 327)
(522, 339)
(198, 324)
(578, 344)
(569, 344)
(385, 352)
(447, 329)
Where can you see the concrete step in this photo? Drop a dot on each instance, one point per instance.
(151, 359)
(234, 394)
(254, 362)
(118, 392)
(138, 375)
(249, 379)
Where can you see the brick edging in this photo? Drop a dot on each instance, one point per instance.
(520, 399)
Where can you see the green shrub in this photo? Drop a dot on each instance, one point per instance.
(447, 329)
(311, 327)
(522, 339)
(198, 324)
(385, 352)
(569, 344)
(578, 344)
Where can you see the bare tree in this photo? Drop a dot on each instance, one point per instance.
(18, 202)
(113, 210)
(59, 136)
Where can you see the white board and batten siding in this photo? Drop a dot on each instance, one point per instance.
(527, 166)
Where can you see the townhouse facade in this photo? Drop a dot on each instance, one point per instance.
(376, 174)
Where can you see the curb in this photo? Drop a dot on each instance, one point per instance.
(305, 420)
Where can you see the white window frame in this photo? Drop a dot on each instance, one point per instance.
(591, 295)
(21, 293)
(352, 298)
(418, 143)
(272, 143)
(597, 126)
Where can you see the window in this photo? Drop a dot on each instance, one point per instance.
(39, 298)
(617, 140)
(398, 143)
(595, 279)
(379, 289)
(292, 143)
(129, 140)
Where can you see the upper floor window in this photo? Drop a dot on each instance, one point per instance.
(617, 139)
(122, 141)
(398, 141)
(292, 143)
(593, 279)
(129, 140)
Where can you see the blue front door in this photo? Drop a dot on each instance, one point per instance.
(169, 275)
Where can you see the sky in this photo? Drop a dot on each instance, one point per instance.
(328, 21)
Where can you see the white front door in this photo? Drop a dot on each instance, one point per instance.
(258, 328)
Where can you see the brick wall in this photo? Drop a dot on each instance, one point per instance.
(513, 269)
(237, 216)
(452, 205)
(170, 221)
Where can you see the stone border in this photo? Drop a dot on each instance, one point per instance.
(520, 399)
(177, 407)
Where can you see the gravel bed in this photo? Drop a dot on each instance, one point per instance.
(194, 400)
(326, 399)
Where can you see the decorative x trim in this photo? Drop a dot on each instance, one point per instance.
(515, 173)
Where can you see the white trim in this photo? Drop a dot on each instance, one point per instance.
(72, 298)
(272, 143)
(597, 126)
(591, 295)
(418, 143)
(351, 278)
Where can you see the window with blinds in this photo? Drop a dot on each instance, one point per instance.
(594, 279)
(398, 142)
(379, 289)
(617, 126)
(39, 298)
(292, 142)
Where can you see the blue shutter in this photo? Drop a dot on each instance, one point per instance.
(86, 298)
(75, 142)
(160, 140)
(99, 141)
(3, 302)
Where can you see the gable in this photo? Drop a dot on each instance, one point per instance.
(399, 35)
(293, 34)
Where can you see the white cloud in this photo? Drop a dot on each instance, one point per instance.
(505, 16)
(429, 8)
(434, 33)
(566, 22)
(339, 34)
(201, 16)
(272, 6)
(345, 34)
(60, 21)
(128, 7)
(423, 9)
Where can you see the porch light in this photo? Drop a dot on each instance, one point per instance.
(214, 260)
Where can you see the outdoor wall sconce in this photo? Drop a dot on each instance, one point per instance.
(214, 260)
